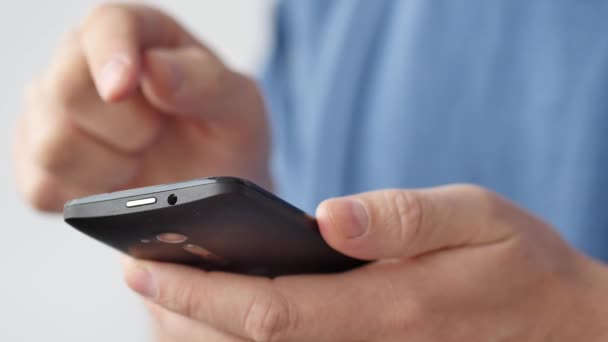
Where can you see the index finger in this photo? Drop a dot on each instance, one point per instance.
(114, 36)
(292, 308)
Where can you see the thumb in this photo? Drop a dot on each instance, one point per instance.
(188, 81)
(407, 223)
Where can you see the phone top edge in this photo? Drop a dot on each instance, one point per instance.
(122, 194)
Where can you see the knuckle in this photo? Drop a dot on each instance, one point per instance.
(409, 317)
(475, 190)
(51, 151)
(43, 154)
(489, 201)
(67, 81)
(216, 75)
(211, 75)
(407, 310)
(494, 211)
(158, 315)
(165, 323)
(409, 210)
(192, 303)
(184, 299)
(60, 90)
(269, 318)
(153, 309)
(63, 93)
(138, 142)
(37, 192)
(50, 98)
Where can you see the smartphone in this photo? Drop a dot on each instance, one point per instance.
(216, 223)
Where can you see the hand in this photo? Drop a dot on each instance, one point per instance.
(133, 99)
(456, 263)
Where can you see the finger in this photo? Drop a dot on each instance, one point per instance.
(407, 223)
(114, 36)
(306, 308)
(217, 299)
(128, 126)
(54, 148)
(42, 190)
(169, 326)
(187, 81)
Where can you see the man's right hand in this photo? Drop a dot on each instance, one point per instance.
(133, 99)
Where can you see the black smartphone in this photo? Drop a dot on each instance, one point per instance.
(215, 223)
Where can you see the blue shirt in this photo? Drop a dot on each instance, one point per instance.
(508, 94)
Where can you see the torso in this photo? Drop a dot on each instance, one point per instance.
(511, 95)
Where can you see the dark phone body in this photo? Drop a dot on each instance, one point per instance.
(237, 226)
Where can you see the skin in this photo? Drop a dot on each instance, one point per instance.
(129, 99)
(133, 99)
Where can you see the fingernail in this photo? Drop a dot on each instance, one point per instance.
(355, 222)
(140, 279)
(112, 75)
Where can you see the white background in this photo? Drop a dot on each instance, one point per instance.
(56, 284)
